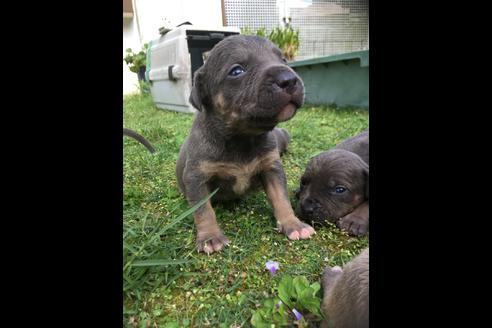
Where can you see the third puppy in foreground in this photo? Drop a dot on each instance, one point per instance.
(242, 92)
(346, 294)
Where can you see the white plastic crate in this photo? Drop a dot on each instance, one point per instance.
(172, 60)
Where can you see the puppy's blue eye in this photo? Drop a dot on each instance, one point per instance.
(340, 190)
(237, 70)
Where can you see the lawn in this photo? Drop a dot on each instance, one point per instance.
(167, 283)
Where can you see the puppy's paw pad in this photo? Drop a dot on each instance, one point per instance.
(297, 230)
(294, 235)
(307, 232)
(212, 243)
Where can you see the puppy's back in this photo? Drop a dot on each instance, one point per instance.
(358, 145)
(346, 300)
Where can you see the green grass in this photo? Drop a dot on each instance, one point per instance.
(220, 290)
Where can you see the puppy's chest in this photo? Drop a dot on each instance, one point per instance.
(239, 174)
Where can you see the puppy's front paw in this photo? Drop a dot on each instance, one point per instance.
(209, 242)
(354, 224)
(295, 229)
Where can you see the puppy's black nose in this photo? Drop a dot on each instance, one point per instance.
(286, 80)
(308, 206)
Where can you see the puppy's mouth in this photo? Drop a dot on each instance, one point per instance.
(284, 113)
(318, 216)
(287, 112)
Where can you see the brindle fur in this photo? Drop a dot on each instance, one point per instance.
(233, 144)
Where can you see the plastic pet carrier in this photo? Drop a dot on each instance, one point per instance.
(173, 59)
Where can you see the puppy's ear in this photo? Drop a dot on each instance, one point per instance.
(197, 92)
(329, 276)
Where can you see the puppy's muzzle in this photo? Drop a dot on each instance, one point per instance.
(282, 93)
(287, 81)
(310, 206)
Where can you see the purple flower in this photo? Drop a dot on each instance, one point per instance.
(297, 314)
(272, 266)
(277, 306)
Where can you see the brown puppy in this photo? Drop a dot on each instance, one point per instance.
(346, 294)
(241, 92)
(335, 186)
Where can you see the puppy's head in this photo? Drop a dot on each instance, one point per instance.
(246, 84)
(334, 184)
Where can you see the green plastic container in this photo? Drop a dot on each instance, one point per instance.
(341, 80)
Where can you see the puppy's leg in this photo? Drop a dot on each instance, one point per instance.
(276, 189)
(209, 237)
(357, 221)
(283, 139)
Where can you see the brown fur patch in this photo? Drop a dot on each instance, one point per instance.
(220, 102)
(281, 205)
(229, 116)
(242, 172)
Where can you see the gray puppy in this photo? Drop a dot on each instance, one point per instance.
(242, 92)
(346, 294)
(335, 186)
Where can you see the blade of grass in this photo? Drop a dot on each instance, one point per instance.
(157, 262)
(144, 220)
(189, 211)
(178, 219)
